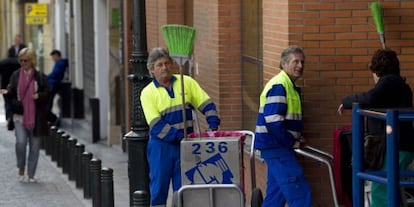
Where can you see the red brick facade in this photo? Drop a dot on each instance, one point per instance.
(339, 38)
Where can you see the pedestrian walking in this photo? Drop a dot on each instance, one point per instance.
(28, 92)
(7, 66)
(17, 46)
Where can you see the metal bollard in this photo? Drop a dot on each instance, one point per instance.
(107, 185)
(62, 145)
(55, 143)
(95, 176)
(48, 143)
(71, 155)
(85, 178)
(79, 148)
(66, 157)
(140, 199)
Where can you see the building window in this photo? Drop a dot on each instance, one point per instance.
(252, 61)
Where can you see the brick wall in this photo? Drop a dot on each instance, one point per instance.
(217, 62)
(339, 38)
(217, 56)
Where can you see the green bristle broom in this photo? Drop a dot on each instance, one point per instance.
(377, 16)
(180, 41)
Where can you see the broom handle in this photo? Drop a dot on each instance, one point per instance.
(382, 39)
(183, 101)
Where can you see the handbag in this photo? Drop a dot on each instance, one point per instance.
(17, 105)
(374, 151)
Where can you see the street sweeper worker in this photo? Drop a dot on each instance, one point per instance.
(278, 132)
(162, 105)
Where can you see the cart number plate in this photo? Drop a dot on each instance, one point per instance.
(210, 147)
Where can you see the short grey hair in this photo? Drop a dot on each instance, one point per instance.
(285, 56)
(155, 54)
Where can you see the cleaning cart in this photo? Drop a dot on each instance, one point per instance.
(213, 170)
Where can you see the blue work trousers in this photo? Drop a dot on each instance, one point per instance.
(164, 167)
(286, 183)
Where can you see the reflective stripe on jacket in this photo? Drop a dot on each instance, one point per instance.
(279, 120)
(163, 108)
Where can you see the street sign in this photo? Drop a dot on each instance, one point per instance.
(36, 13)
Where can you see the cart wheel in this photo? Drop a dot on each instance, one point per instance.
(257, 198)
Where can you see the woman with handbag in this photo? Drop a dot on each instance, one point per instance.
(28, 91)
(390, 91)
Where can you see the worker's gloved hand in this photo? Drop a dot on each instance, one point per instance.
(299, 142)
(211, 131)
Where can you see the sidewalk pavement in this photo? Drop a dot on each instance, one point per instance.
(111, 157)
(53, 188)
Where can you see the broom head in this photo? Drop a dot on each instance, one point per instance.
(179, 39)
(377, 15)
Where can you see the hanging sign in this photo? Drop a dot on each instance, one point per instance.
(35, 13)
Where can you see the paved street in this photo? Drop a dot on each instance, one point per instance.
(53, 188)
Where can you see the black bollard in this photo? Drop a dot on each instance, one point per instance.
(95, 176)
(62, 145)
(79, 148)
(55, 143)
(67, 156)
(48, 143)
(107, 185)
(71, 155)
(140, 199)
(85, 178)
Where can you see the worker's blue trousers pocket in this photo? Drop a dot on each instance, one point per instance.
(288, 176)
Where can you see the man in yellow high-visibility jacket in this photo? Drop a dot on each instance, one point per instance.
(278, 131)
(162, 104)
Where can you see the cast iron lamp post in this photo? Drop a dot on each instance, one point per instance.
(137, 138)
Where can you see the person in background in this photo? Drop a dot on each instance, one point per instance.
(7, 67)
(278, 132)
(162, 105)
(55, 78)
(17, 46)
(390, 91)
(31, 88)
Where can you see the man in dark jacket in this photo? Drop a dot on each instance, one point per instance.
(390, 91)
(17, 46)
(7, 67)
